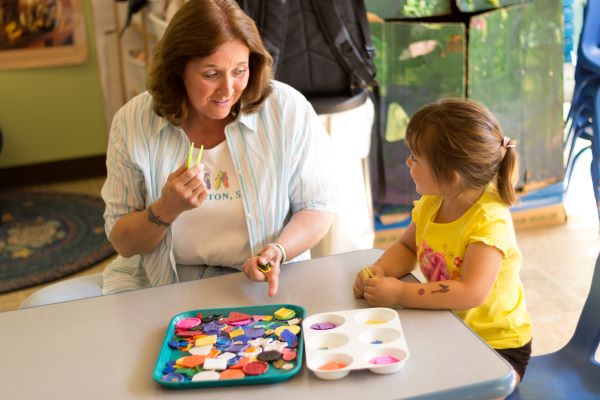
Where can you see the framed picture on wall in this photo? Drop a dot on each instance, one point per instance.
(41, 33)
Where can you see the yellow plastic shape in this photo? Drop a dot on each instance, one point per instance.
(206, 340)
(295, 329)
(284, 313)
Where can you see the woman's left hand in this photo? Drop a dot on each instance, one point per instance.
(269, 254)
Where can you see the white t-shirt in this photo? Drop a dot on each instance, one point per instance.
(201, 234)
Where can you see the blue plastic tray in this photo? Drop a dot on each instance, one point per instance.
(273, 375)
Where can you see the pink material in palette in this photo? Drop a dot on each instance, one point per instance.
(384, 360)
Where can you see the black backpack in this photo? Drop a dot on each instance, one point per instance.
(320, 47)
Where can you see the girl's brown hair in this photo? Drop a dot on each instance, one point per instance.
(463, 136)
(197, 29)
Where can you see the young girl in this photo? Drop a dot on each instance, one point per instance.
(461, 233)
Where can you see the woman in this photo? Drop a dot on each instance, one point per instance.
(210, 84)
(262, 193)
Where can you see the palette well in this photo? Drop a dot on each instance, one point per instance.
(342, 341)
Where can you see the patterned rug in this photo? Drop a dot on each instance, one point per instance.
(45, 236)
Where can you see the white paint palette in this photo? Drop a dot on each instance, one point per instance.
(341, 341)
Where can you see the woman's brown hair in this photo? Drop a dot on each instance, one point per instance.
(197, 29)
(463, 136)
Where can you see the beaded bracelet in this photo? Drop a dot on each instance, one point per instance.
(282, 250)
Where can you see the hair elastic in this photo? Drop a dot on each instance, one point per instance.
(506, 142)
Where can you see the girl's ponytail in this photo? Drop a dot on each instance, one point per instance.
(505, 180)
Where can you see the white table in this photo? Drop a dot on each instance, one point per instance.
(106, 347)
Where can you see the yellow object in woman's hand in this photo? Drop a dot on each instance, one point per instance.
(190, 154)
(264, 268)
(200, 155)
(190, 158)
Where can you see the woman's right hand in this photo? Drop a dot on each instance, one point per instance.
(135, 233)
(184, 190)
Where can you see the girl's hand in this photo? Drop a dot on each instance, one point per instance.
(359, 284)
(184, 190)
(383, 292)
(359, 281)
(271, 255)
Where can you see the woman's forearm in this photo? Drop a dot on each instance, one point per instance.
(304, 230)
(138, 232)
(142, 231)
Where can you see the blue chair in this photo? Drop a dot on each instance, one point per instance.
(583, 120)
(571, 373)
(587, 69)
(590, 34)
(595, 145)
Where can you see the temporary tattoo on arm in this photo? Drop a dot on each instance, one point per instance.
(443, 289)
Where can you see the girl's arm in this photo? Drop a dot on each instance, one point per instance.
(480, 269)
(400, 258)
(397, 261)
